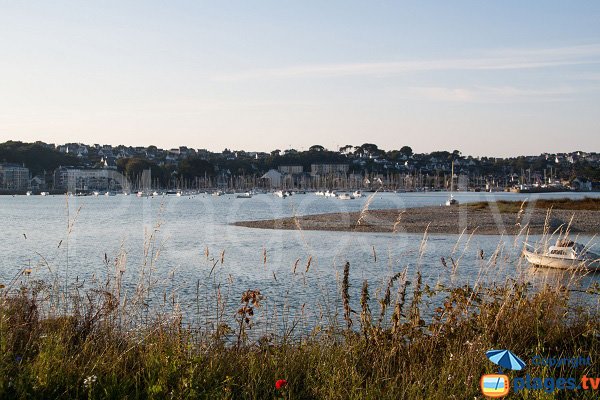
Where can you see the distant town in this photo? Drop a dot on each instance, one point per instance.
(81, 168)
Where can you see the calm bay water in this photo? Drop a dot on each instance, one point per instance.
(34, 234)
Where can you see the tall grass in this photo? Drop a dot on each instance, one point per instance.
(89, 354)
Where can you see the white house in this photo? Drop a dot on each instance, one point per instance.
(274, 178)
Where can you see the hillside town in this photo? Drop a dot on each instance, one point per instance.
(82, 168)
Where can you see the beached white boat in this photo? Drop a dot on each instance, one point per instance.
(357, 194)
(451, 201)
(28, 193)
(281, 194)
(319, 193)
(217, 193)
(246, 195)
(109, 194)
(566, 254)
(44, 193)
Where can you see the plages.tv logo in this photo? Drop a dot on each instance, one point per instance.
(497, 385)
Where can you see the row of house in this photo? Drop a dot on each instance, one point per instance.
(150, 153)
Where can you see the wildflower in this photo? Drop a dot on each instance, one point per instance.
(280, 384)
(89, 381)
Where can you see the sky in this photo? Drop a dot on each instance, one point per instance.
(497, 78)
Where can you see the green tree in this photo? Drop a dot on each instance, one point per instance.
(191, 168)
(406, 150)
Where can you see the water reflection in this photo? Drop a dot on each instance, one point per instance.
(197, 255)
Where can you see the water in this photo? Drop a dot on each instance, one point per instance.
(35, 235)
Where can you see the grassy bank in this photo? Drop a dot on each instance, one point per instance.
(90, 354)
(505, 206)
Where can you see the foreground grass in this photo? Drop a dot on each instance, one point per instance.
(505, 206)
(88, 354)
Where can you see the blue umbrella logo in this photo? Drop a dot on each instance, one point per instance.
(505, 359)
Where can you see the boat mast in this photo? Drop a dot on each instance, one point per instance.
(452, 178)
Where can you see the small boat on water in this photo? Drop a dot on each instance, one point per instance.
(217, 193)
(451, 200)
(109, 194)
(44, 193)
(345, 196)
(357, 194)
(246, 195)
(280, 193)
(567, 255)
(28, 193)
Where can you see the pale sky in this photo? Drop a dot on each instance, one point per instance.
(488, 78)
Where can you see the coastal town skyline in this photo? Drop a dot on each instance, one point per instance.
(490, 79)
(61, 167)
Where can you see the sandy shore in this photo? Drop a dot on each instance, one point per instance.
(438, 220)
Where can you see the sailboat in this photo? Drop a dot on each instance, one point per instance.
(451, 200)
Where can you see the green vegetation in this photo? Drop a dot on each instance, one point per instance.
(504, 206)
(91, 354)
(36, 156)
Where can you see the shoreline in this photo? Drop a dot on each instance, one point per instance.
(439, 219)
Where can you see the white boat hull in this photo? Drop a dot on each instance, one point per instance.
(540, 260)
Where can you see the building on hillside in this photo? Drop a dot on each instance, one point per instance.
(38, 182)
(291, 169)
(14, 177)
(329, 169)
(109, 162)
(581, 184)
(87, 179)
(273, 177)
